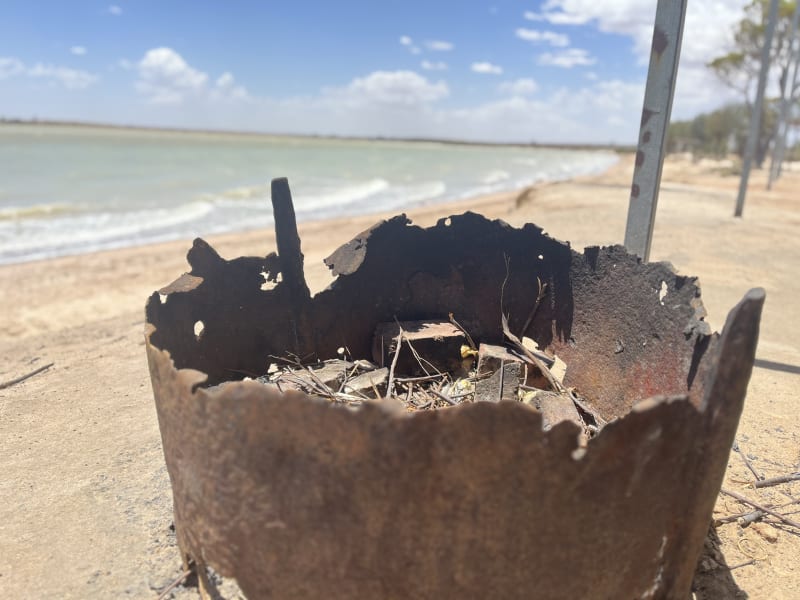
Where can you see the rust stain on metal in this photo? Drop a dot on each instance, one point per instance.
(349, 488)
(639, 158)
(646, 136)
(646, 115)
(660, 41)
(635, 190)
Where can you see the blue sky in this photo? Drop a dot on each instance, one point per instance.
(557, 70)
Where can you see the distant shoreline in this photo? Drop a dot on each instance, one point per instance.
(264, 134)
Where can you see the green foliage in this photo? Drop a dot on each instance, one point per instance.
(717, 133)
(739, 68)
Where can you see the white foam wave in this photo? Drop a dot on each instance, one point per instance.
(496, 176)
(16, 213)
(28, 240)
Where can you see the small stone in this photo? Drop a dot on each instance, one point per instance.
(767, 532)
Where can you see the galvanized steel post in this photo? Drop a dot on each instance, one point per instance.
(664, 57)
(755, 118)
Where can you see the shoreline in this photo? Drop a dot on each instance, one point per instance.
(153, 129)
(87, 508)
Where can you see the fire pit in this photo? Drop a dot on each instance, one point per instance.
(298, 497)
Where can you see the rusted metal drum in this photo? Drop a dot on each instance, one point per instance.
(299, 498)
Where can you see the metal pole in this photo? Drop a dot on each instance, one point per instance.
(664, 56)
(755, 118)
(786, 102)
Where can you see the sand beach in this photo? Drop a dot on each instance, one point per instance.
(85, 501)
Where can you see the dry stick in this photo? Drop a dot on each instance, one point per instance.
(9, 383)
(539, 297)
(554, 384)
(761, 507)
(175, 583)
(470, 341)
(398, 342)
(444, 397)
(777, 480)
(736, 517)
(417, 379)
(747, 463)
(746, 563)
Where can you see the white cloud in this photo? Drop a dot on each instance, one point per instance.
(69, 78)
(486, 67)
(519, 87)
(72, 79)
(409, 43)
(433, 66)
(10, 66)
(115, 10)
(707, 34)
(78, 50)
(567, 59)
(439, 45)
(557, 18)
(389, 88)
(225, 80)
(558, 40)
(165, 78)
(226, 88)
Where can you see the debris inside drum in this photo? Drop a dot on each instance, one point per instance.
(436, 364)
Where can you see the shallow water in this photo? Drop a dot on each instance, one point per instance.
(67, 190)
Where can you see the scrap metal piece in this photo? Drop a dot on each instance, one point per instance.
(299, 497)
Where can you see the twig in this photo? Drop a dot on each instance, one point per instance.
(420, 360)
(555, 385)
(10, 382)
(761, 507)
(444, 397)
(746, 563)
(175, 583)
(458, 325)
(747, 463)
(417, 379)
(539, 297)
(585, 408)
(777, 480)
(398, 342)
(736, 517)
(507, 260)
(749, 518)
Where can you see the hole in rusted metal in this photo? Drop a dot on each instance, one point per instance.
(270, 282)
(199, 328)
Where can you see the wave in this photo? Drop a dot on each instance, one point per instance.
(30, 240)
(16, 213)
(339, 196)
(246, 192)
(495, 176)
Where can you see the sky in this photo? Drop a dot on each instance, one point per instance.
(564, 71)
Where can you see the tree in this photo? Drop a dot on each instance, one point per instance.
(739, 68)
(717, 133)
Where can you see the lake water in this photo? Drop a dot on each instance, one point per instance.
(68, 190)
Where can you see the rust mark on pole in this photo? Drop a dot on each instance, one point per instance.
(660, 41)
(664, 57)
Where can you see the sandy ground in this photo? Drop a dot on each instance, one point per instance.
(85, 503)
